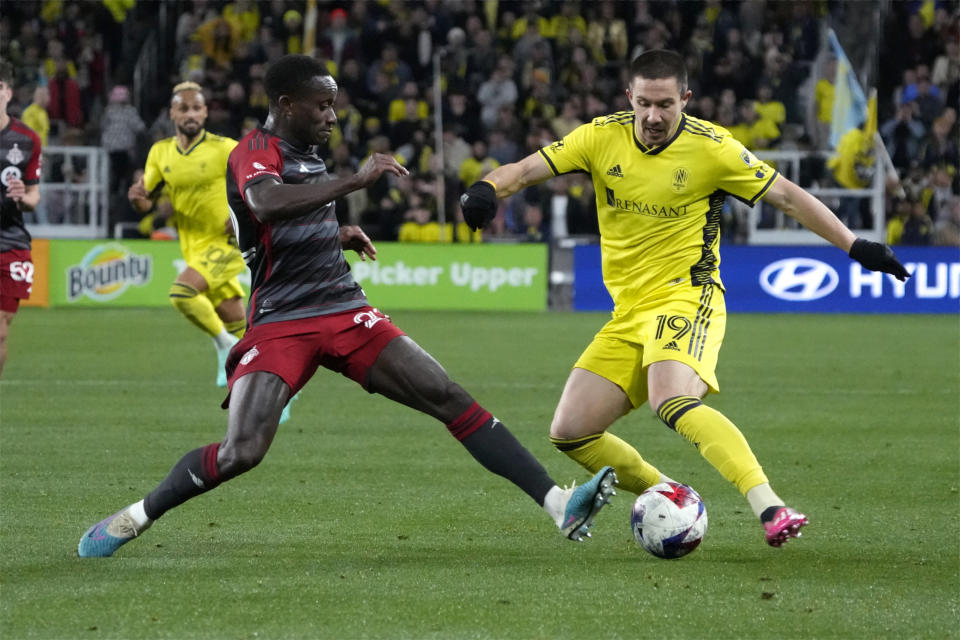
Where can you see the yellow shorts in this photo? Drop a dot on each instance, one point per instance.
(685, 324)
(219, 262)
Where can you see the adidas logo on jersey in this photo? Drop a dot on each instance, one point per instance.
(671, 346)
(615, 171)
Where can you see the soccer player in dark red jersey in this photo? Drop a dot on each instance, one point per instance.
(306, 310)
(19, 177)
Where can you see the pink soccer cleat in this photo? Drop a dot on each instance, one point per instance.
(785, 525)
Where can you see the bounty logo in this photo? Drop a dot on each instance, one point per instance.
(799, 279)
(106, 272)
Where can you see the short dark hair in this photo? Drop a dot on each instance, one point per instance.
(6, 72)
(660, 63)
(290, 74)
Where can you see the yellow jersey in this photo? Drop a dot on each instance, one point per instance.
(659, 208)
(196, 182)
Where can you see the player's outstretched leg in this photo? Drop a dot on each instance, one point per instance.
(585, 503)
(105, 537)
(783, 525)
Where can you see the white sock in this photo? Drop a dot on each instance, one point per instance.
(224, 340)
(762, 497)
(555, 503)
(139, 516)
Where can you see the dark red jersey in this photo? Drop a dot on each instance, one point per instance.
(297, 266)
(20, 159)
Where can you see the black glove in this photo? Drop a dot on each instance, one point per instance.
(479, 204)
(878, 257)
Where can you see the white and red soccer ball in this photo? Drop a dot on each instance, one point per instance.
(669, 520)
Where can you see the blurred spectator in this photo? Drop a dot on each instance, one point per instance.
(292, 31)
(823, 98)
(461, 112)
(947, 230)
(918, 227)
(769, 108)
(502, 148)
(896, 218)
(925, 95)
(481, 60)
(946, 69)
(396, 72)
(456, 150)
(563, 212)
(535, 227)
(258, 103)
(607, 34)
(237, 106)
(399, 109)
(939, 147)
(902, 135)
(162, 127)
(339, 39)
(477, 165)
(35, 115)
(419, 225)
(938, 191)
(121, 124)
(56, 55)
(65, 108)
(498, 91)
(220, 40)
(567, 120)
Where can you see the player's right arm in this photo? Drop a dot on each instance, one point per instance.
(143, 193)
(479, 201)
(271, 200)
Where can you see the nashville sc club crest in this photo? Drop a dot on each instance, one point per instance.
(681, 175)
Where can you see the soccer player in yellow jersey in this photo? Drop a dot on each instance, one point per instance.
(660, 178)
(192, 168)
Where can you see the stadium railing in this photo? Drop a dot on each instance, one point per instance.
(74, 194)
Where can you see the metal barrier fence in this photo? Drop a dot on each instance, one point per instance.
(74, 194)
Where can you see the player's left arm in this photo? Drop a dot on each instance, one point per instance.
(26, 192)
(815, 216)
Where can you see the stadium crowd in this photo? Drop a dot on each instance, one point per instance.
(515, 76)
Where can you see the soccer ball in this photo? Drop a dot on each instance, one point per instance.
(669, 520)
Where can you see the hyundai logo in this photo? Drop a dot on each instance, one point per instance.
(798, 279)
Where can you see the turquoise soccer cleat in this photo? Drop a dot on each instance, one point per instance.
(585, 503)
(222, 355)
(104, 538)
(285, 414)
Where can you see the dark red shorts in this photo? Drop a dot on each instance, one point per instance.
(347, 342)
(16, 278)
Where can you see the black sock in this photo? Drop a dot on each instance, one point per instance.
(769, 513)
(194, 474)
(493, 446)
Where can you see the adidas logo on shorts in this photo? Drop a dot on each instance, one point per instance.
(671, 346)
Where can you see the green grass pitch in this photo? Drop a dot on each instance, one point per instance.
(367, 520)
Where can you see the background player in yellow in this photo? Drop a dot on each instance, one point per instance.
(660, 177)
(191, 168)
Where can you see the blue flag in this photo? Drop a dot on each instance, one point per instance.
(849, 103)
